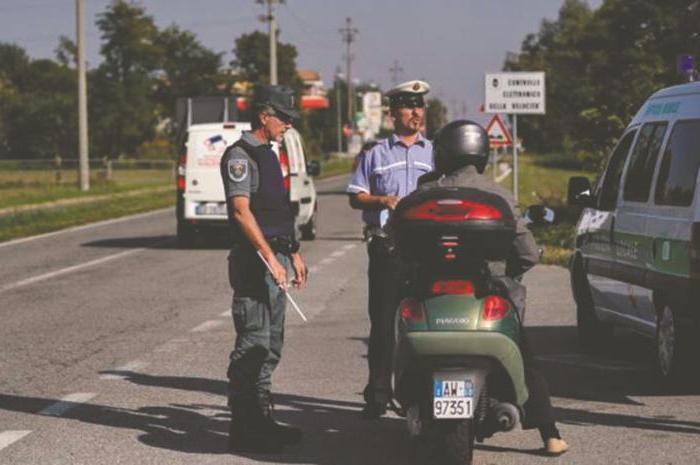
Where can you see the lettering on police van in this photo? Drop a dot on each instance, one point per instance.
(657, 109)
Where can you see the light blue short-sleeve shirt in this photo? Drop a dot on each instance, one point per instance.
(390, 168)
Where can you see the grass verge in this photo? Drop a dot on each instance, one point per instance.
(543, 180)
(47, 220)
(335, 166)
(19, 188)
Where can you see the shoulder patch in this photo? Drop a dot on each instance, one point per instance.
(238, 169)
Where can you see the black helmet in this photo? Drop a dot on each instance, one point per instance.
(460, 143)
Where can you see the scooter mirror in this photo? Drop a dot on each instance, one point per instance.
(538, 215)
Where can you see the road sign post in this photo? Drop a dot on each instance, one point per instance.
(499, 136)
(515, 94)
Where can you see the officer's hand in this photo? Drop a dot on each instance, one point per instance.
(390, 201)
(300, 273)
(279, 273)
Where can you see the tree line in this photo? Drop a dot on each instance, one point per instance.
(601, 65)
(132, 92)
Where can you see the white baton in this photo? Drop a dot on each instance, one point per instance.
(294, 304)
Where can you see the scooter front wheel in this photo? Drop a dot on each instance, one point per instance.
(458, 441)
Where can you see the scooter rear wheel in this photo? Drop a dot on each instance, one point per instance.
(458, 441)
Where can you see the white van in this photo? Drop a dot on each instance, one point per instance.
(637, 258)
(201, 202)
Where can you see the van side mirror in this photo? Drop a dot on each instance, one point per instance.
(313, 168)
(538, 215)
(580, 192)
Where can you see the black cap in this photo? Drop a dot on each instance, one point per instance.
(280, 98)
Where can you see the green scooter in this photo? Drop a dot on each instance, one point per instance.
(458, 371)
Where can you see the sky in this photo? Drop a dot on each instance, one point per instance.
(448, 43)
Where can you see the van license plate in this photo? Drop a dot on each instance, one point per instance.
(453, 399)
(211, 209)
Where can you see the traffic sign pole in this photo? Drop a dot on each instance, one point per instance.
(515, 157)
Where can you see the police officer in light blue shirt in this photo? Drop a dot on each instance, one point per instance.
(383, 174)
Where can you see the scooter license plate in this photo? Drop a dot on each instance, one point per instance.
(453, 398)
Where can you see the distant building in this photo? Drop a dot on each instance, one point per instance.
(313, 96)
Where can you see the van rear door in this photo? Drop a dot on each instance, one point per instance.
(204, 193)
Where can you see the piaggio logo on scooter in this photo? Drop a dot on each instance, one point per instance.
(452, 321)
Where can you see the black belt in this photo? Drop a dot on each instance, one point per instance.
(283, 244)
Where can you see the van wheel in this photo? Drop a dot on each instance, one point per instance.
(673, 346)
(593, 334)
(185, 236)
(308, 231)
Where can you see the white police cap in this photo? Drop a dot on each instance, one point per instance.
(409, 92)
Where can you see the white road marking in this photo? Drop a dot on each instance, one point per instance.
(326, 261)
(207, 325)
(504, 175)
(349, 246)
(71, 269)
(314, 269)
(131, 366)
(85, 226)
(8, 437)
(67, 403)
(226, 313)
(338, 253)
(171, 345)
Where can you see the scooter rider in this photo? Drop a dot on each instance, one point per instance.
(460, 155)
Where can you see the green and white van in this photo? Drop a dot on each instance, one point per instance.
(637, 257)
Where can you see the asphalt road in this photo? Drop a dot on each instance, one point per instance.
(114, 346)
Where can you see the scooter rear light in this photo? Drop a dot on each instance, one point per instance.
(451, 210)
(453, 287)
(495, 308)
(411, 310)
(695, 252)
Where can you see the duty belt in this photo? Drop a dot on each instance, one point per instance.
(283, 244)
(370, 232)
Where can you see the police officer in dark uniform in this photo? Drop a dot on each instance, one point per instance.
(384, 172)
(460, 156)
(262, 222)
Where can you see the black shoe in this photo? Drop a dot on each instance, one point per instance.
(255, 443)
(247, 432)
(373, 410)
(285, 433)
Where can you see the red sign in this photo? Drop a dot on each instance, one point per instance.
(499, 135)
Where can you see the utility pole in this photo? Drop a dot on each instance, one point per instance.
(395, 71)
(84, 164)
(271, 20)
(338, 109)
(348, 33)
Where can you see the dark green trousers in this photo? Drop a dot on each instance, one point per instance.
(258, 316)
